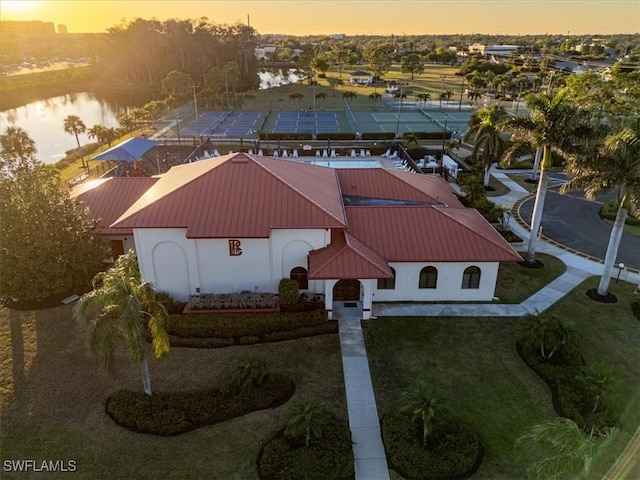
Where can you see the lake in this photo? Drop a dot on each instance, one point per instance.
(43, 120)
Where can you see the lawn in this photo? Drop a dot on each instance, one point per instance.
(473, 366)
(516, 282)
(53, 401)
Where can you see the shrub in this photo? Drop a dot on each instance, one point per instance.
(609, 211)
(229, 325)
(249, 371)
(288, 293)
(173, 413)
(453, 451)
(378, 135)
(329, 456)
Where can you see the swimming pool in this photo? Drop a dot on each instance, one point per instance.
(346, 163)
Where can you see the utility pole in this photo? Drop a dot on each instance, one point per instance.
(399, 109)
(226, 84)
(195, 101)
(461, 93)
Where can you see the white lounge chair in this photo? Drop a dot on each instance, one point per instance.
(362, 153)
(295, 153)
(206, 153)
(275, 154)
(260, 152)
(324, 153)
(368, 153)
(216, 153)
(250, 151)
(230, 152)
(394, 155)
(285, 154)
(353, 153)
(333, 153)
(317, 153)
(387, 153)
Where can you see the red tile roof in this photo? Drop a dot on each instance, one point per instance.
(109, 198)
(347, 257)
(395, 185)
(240, 195)
(426, 233)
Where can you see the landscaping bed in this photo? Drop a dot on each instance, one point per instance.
(214, 330)
(173, 413)
(453, 450)
(329, 456)
(570, 397)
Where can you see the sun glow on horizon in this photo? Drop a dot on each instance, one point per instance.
(19, 6)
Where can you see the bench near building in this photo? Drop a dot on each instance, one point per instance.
(243, 222)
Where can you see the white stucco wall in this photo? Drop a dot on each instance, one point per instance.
(449, 286)
(179, 266)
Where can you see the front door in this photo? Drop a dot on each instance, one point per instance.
(347, 290)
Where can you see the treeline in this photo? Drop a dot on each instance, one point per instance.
(143, 52)
(17, 90)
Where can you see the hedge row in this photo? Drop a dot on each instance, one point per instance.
(221, 342)
(230, 325)
(336, 136)
(609, 212)
(329, 456)
(429, 135)
(571, 398)
(173, 413)
(453, 450)
(378, 136)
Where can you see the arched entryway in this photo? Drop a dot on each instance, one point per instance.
(346, 290)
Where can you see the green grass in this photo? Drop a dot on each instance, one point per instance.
(472, 364)
(52, 396)
(516, 282)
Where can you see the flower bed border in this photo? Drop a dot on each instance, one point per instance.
(188, 310)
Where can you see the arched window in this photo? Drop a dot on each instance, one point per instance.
(387, 283)
(299, 274)
(428, 277)
(471, 278)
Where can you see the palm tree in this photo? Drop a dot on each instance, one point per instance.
(304, 418)
(614, 166)
(122, 308)
(73, 124)
(349, 95)
(553, 124)
(97, 133)
(562, 449)
(375, 98)
(334, 82)
(484, 131)
(549, 334)
(599, 380)
(421, 405)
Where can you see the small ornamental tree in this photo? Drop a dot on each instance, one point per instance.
(288, 293)
(549, 334)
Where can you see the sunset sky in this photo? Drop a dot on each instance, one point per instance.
(374, 17)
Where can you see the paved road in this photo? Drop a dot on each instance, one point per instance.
(574, 222)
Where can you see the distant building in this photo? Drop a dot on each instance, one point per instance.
(493, 50)
(62, 28)
(262, 52)
(392, 86)
(35, 26)
(360, 77)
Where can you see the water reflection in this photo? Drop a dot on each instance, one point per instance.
(279, 77)
(43, 120)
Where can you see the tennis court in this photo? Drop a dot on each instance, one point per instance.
(456, 120)
(224, 124)
(306, 122)
(401, 122)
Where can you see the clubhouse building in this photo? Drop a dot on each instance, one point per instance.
(242, 223)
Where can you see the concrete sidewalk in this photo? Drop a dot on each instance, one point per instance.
(368, 450)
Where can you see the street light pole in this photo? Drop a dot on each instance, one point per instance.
(195, 101)
(461, 93)
(178, 129)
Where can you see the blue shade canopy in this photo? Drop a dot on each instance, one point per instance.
(130, 150)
